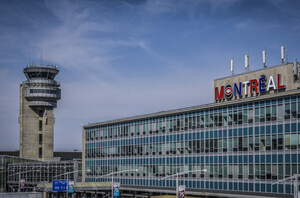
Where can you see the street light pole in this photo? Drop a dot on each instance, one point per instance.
(296, 187)
(2, 178)
(112, 185)
(19, 182)
(67, 185)
(176, 185)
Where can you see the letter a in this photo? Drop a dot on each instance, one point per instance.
(271, 84)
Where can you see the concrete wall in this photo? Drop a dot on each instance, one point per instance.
(29, 130)
(22, 195)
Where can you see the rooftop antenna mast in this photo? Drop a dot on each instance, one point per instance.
(247, 62)
(264, 54)
(231, 66)
(282, 53)
(296, 70)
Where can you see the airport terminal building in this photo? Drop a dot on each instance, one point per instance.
(247, 139)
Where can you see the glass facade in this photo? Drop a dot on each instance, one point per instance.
(245, 147)
(5, 160)
(36, 172)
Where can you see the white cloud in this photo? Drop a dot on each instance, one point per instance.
(252, 24)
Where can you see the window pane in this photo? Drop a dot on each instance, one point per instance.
(257, 143)
(287, 111)
(230, 118)
(274, 112)
(268, 113)
(256, 114)
(225, 119)
(262, 143)
(294, 141)
(280, 112)
(268, 142)
(230, 144)
(280, 171)
(235, 117)
(287, 170)
(251, 143)
(262, 114)
(293, 109)
(287, 141)
(274, 142)
(274, 171)
(298, 110)
(245, 116)
(280, 142)
(250, 169)
(250, 116)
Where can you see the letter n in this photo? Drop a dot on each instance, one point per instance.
(238, 90)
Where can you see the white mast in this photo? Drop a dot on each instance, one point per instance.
(282, 54)
(247, 62)
(264, 53)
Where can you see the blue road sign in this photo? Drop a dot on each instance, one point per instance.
(59, 185)
(71, 187)
(116, 189)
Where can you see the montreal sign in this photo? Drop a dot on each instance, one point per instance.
(263, 85)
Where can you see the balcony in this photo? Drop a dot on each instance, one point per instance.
(40, 103)
(41, 81)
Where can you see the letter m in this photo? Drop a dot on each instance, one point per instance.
(219, 95)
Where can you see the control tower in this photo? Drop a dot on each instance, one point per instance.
(38, 98)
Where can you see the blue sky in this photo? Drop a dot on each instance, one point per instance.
(125, 58)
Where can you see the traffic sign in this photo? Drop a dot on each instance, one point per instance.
(71, 187)
(181, 191)
(59, 185)
(22, 184)
(116, 189)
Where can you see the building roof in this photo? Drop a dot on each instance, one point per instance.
(67, 154)
(10, 153)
